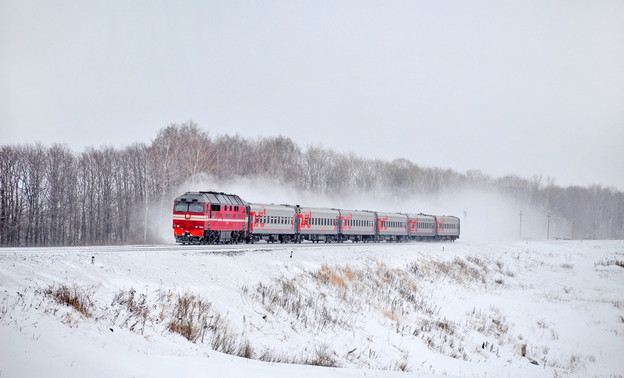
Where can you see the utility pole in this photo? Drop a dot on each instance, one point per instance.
(548, 229)
(520, 224)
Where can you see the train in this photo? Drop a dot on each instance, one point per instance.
(209, 217)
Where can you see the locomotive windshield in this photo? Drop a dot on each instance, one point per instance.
(190, 207)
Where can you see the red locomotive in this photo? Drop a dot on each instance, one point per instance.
(209, 218)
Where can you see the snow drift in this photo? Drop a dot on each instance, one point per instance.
(462, 309)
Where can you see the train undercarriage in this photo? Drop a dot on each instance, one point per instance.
(236, 237)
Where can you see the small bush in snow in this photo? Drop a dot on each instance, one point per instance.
(616, 262)
(190, 317)
(132, 310)
(76, 297)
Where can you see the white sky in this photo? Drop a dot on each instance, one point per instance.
(514, 87)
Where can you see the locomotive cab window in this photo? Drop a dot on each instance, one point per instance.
(196, 207)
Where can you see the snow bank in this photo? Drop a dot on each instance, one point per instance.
(461, 309)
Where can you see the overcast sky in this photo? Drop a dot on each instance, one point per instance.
(507, 87)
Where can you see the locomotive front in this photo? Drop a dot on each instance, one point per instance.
(209, 218)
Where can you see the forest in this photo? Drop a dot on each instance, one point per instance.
(53, 196)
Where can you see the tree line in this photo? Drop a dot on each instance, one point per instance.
(52, 196)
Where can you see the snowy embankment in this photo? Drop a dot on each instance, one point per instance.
(462, 309)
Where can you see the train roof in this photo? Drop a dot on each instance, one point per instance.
(273, 207)
(215, 198)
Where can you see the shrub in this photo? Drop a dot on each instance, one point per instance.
(75, 297)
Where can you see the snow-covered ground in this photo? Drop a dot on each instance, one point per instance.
(376, 310)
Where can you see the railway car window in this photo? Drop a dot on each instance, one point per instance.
(181, 207)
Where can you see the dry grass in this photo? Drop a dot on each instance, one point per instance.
(616, 262)
(76, 297)
(132, 310)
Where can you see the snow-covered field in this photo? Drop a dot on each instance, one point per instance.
(376, 310)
